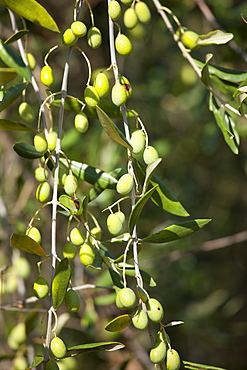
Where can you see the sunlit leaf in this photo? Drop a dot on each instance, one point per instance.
(37, 360)
(6, 124)
(101, 346)
(26, 244)
(194, 366)
(13, 60)
(68, 202)
(136, 211)
(205, 71)
(111, 129)
(60, 282)
(177, 231)
(217, 37)
(119, 323)
(11, 95)
(16, 36)
(149, 171)
(6, 74)
(174, 323)
(33, 11)
(130, 271)
(27, 151)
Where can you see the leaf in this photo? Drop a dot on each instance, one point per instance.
(177, 231)
(16, 36)
(6, 124)
(119, 323)
(162, 197)
(136, 211)
(26, 244)
(116, 278)
(174, 323)
(11, 95)
(111, 129)
(193, 366)
(68, 202)
(70, 105)
(226, 125)
(33, 11)
(217, 37)
(130, 271)
(37, 360)
(205, 72)
(149, 171)
(6, 75)
(13, 60)
(26, 151)
(60, 282)
(101, 346)
(91, 174)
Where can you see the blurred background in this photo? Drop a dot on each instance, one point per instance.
(201, 279)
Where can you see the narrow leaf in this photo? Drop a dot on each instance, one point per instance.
(177, 231)
(33, 11)
(37, 360)
(193, 366)
(174, 323)
(26, 244)
(136, 211)
(60, 282)
(6, 74)
(214, 37)
(6, 124)
(119, 323)
(13, 60)
(205, 71)
(116, 278)
(130, 271)
(101, 346)
(26, 151)
(111, 129)
(16, 36)
(11, 95)
(149, 171)
(68, 202)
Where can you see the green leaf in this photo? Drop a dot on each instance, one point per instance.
(13, 60)
(26, 151)
(91, 174)
(11, 95)
(16, 36)
(205, 71)
(177, 231)
(226, 125)
(60, 282)
(101, 346)
(26, 244)
(130, 271)
(149, 171)
(217, 37)
(129, 253)
(68, 202)
(116, 278)
(111, 129)
(70, 105)
(37, 360)
(119, 323)
(6, 124)
(136, 211)
(33, 11)
(193, 366)
(6, 74)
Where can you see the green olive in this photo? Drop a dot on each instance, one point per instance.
(47, 76)
(79, 28)
(70, 185)
(41, 174)
(94, 37)
(142, 12)
(34, 233)
(158, 353)
(31, 61)
(121, 216)
(118, 95)
(51, 138)
(96, 233)
(138, 141)
(72, 301)
(123, 45)
(130, 18)
(26, 112)
(150, 155)
(125, 82)
(114, 10)
(69, 251)
(125, 298)
(102, 84)
(41, 288)
(139, 319)
(91, 96)
(173, 361)
(189, 39)
(43, 192)
(58, 347)
(69, 38)
(40, 143)
(125, 184)
(87, 255)
(76, 237)
(81, 122)
(154, 310)
(127, 2)
(114, 224)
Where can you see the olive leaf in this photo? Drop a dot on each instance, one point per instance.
(101, 346)
(10, 95)
(130, 271)
(27, 151)
(6, 74)
(37, 360)
(26, 244)
(119, 323)
(194, 366)
(16, 36)
(60, 282)
(6, 124)
(216, 37)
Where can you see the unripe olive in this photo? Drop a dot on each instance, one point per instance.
(69, 251)
(17, 336)
(138, 141)
(81, 122)
(130, 18)
(72, 301)
(43, 192)
(114, 224)
(51, 140)
(94, 37)
(69, 38)
(47, 76)
(125, 82)
(155, 310)
(123, 45)
(189, 39)
(114, 10)
(22, 267)
(40, 174)
(31, 61)
(126, 297)
(139, 319)
(19, 363)
(91, 96)
(40, 143)
(61, 176)
(51, 365)
(158, 353)
(118, 95)
(127, 2)
(173, 361)
(41, 288)
(125, 184)
(79, 28)
(96, 232)
(26, 112)
(142, 12)
(58, 347)
(34, 233)
(70, 185)
(150, 155)
(121, 216)
(87, 255)
(76, 237)
(102, 84)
